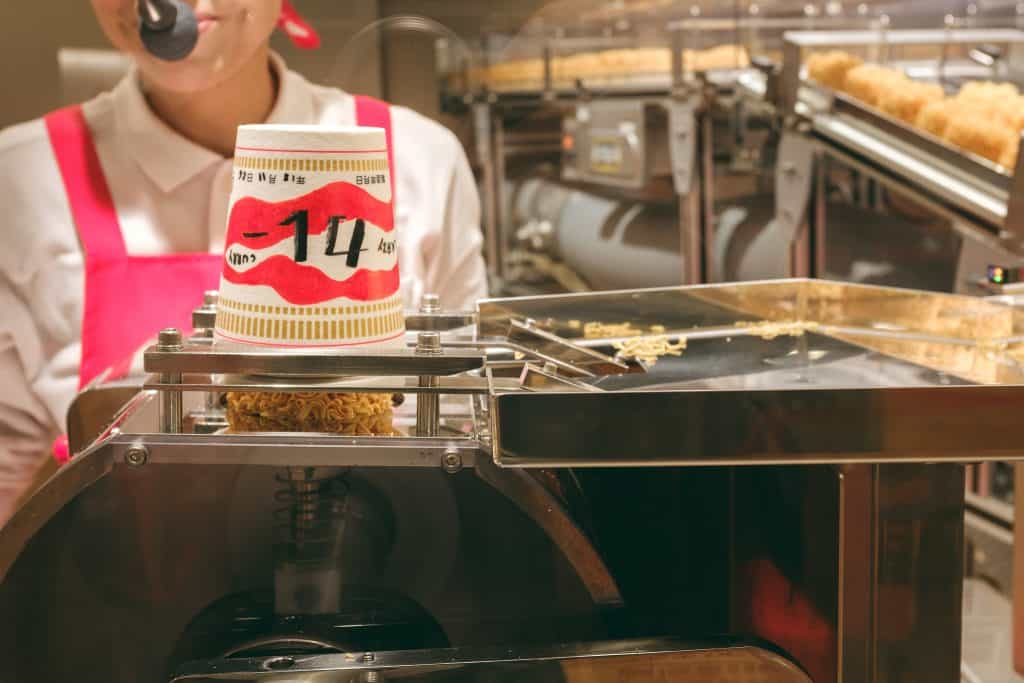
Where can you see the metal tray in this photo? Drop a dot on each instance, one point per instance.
(784, 372)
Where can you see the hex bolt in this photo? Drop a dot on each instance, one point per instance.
(136, 456)
(452, 461)
(169, 339)
(210, 298)
(428, 342)
(550, 368)
(368, 657)
(431, 303)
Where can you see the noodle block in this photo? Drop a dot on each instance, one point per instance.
(360, 414)
(906, 102)
(830, 68)
(869, 82)
(986, 138)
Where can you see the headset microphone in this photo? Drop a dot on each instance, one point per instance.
(168, 28)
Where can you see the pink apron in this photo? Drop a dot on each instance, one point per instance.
(128, 299)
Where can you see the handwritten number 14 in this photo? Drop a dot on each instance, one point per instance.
(300, 219)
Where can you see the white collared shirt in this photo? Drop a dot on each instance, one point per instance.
(171, 196)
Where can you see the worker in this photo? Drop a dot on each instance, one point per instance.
(128, 193)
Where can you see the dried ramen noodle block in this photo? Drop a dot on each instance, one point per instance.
(975, 91)
(830, 68)
(935, 117)
(353, 414)
(907, 101)
(988, 139)
(716, 58)
(869, 82)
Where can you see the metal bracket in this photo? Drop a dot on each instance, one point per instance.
(582, 361)
(682, 128)
(538, 378)
(441, 321)
(1012, 236)
(794, 181)
(244, 360)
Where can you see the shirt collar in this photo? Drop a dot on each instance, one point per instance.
(170, 159)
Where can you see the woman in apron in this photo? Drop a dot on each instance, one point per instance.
(116, 209)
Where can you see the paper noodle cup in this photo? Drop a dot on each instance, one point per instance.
(311, 254)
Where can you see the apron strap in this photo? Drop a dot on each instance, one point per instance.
(373, 112)
(92, 207)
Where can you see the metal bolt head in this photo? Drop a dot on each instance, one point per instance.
(431, 303)
(210, 297)
(368, 657)
(278, 663)
(452, 461)
(428, 342)
(136, 456)
(169, 339)
(550, 368)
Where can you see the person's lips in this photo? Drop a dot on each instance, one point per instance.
(206, 21)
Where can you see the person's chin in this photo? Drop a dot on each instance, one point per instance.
(186, 77)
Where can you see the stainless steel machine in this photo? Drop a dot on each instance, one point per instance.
(751, 482)
(667, 125)
(827, 130)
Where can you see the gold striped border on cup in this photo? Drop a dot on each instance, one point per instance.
(314, 325)
(258, 163)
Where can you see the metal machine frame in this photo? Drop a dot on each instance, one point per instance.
(887, 555)
(978, 197)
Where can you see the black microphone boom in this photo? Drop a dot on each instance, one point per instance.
(168, 28)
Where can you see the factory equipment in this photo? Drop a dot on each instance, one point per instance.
(890, 155)
(635, 114)
(589, 487)
(908, 171)
(692, 109)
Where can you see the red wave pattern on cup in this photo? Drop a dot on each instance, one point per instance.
(305, 285)
(258, 217)
(257, 224)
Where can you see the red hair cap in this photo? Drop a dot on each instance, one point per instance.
(298, 29)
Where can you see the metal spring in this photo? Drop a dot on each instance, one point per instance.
(310, 512)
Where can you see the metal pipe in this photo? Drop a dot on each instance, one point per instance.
(820, 188)
(707, 189)
(170, 401)
(948, 23)
(483, 121)
(501, 217)
(677, 60)
(427, 403)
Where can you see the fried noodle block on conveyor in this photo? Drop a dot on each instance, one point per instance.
(997, 100)
(869, 82)
(906, 102)
(972, 130)
(830, 68)
(974, 91)
(935, 117)
(350, 414)
(722, 57)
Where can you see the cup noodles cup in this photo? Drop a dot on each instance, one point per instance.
(311, 253)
